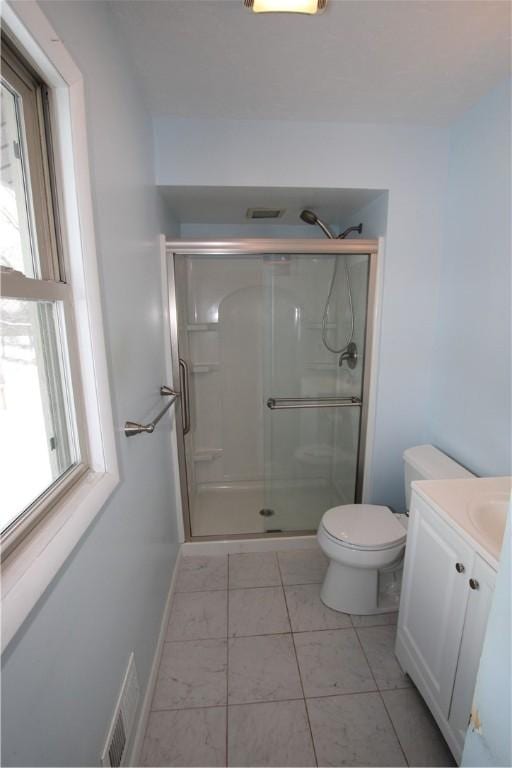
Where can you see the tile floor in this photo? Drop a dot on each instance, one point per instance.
(256, 671)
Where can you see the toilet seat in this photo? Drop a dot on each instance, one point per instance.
(363, 526)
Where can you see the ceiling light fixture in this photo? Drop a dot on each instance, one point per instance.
(286, 6)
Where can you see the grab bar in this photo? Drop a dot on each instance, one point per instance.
(184, 378)
(132, 428)
(277, 403)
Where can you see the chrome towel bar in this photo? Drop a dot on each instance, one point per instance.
(277, 403)
(132, 428)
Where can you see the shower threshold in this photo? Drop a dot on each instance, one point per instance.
(234, 509)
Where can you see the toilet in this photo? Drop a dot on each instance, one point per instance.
(365, 543)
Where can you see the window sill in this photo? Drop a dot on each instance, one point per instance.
(30, 568)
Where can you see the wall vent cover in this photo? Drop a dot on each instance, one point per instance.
(114, 752)
(117, 743)
(265, 213)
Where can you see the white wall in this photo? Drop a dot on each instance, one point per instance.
(201, 231)
(409, 162)
(471, 367)
(62, 672)
(373, 216)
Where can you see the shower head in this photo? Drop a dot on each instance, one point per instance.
(311, 218)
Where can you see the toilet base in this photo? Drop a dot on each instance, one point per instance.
(355, 590)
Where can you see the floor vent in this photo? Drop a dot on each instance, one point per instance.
(123, 719)
(117, 743)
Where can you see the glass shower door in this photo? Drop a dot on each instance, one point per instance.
(312, 416)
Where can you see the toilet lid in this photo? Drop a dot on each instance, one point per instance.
(364, 525)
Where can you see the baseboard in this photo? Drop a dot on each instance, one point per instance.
(135, 754)
(234, 546)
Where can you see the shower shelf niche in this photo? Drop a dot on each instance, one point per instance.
(318, 326)
(208, 455)
(202, 326)
(205, 367)
(322, 366)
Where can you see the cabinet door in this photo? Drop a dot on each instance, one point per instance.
(433, 602)
(477, 612)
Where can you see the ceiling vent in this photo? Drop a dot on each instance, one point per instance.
(265, 213)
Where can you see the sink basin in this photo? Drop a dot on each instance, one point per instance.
(478, 505)
(489, 516)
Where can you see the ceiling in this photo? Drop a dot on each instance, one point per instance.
(211, 205)
(412, 61)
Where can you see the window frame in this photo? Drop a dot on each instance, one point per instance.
(37, 152)
(50, 285)
(28, 567)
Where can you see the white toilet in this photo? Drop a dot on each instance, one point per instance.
(365, 541)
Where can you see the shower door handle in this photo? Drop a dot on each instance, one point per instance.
(185, 395)
(279, 403)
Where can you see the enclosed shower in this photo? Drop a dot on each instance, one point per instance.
(272, 419)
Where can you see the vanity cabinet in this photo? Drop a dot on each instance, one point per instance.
(446, 594)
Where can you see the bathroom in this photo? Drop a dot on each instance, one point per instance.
(187, 127)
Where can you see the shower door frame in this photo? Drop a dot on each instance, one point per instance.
(253, 248)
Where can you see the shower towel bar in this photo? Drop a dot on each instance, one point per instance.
(132, 428)
(277, 403)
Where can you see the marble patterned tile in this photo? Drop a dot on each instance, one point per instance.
(353, 730)
(332, 662)
(187, 737)
(198, 616)
(379, 647)
(307, 612)
(198, 573)
(253, 569)
(269, 734)
(416, 729)
(191, 674)
(302, 566)
(262, 668)
(259, 611)
(374, 620)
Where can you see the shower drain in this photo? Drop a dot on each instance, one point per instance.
(267, 512)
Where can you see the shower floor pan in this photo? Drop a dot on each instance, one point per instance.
(234, 509)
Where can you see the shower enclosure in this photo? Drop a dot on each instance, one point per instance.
(271, 428)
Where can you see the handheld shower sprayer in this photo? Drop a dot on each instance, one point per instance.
(311, 218)
(348, 351)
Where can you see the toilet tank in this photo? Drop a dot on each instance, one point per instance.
(424, 462)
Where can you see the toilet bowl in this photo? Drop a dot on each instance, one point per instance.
(365, 543)
(360, 540)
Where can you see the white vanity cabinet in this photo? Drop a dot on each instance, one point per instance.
(446, 594)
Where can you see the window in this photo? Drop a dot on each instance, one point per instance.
(57, 434)
(42, 447)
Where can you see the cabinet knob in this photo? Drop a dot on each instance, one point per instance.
(473, 583)
(459, 567)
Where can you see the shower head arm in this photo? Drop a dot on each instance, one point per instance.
(358, 228)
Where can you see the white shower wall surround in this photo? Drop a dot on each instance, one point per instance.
(250, 328)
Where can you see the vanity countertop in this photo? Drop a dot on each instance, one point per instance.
(476, 507)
